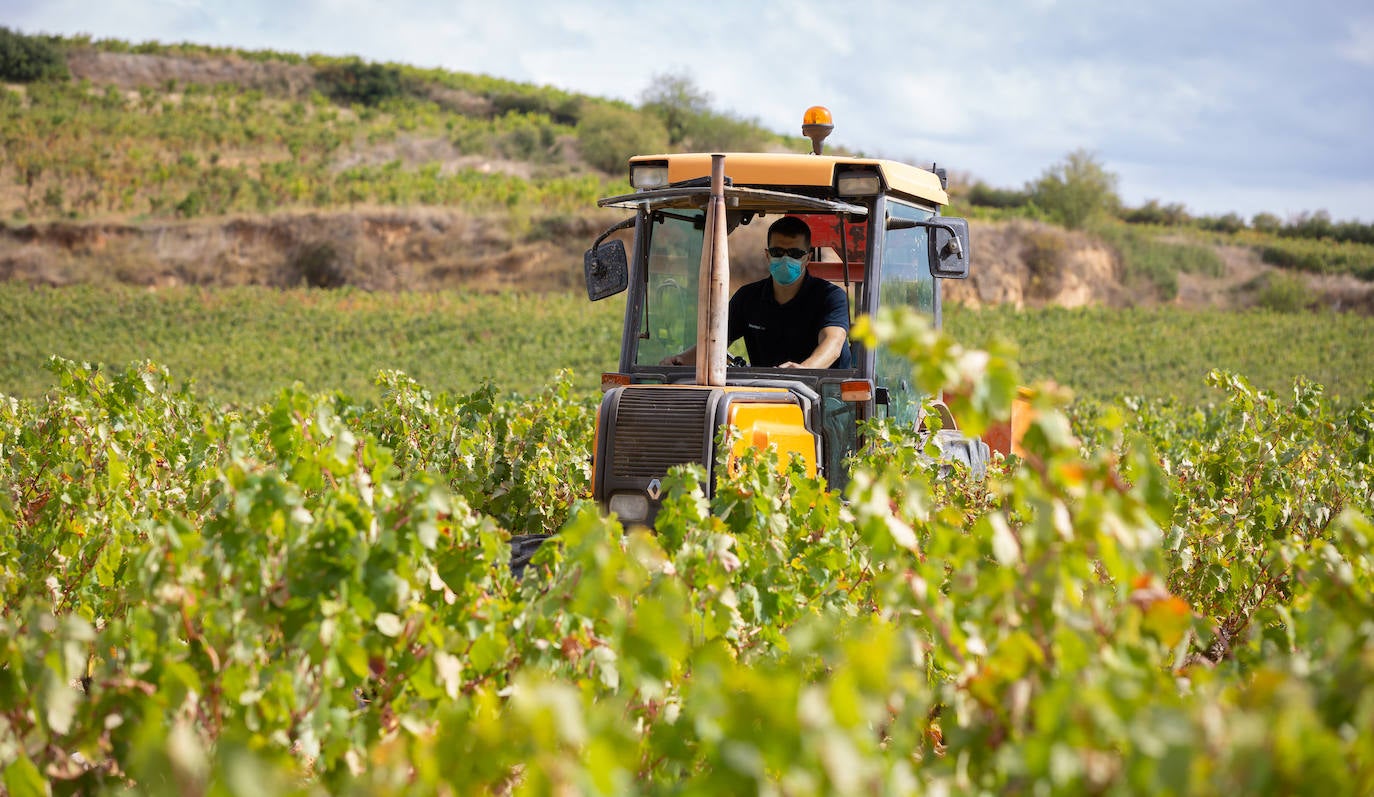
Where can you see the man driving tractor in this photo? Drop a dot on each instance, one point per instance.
(788, 319)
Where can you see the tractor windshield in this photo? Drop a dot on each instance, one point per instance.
(669, 312)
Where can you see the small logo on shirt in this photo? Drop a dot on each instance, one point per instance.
(758, 327)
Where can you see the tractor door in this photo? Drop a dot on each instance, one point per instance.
(667, 317)
(906, 282)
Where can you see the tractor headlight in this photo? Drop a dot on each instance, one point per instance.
(858, 184)
(648, 175)
(632, 507)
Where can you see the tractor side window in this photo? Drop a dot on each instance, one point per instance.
(670, 311)
(906, 282)
(906, 271)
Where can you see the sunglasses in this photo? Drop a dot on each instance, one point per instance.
(778, 251)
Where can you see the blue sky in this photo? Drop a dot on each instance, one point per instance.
(1221, 105)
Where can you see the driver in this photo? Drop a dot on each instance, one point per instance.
(788, 319)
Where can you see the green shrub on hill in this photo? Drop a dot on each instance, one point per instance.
(609, 135)
(1076, 190)
(24, 59)
(359, 82)
(1285, 293)
(1173, 214)
(723, 132)
(676, 100)
(1229, 223)
(983, 195)
(692, 125)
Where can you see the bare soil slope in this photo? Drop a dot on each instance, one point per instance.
(135, 70)
(382, 249)
(1026, 263)
(1029, 264)
(1022, 263)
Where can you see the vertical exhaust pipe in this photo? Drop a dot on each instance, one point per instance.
(713, 301)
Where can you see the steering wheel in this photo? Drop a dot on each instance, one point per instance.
(736, 361)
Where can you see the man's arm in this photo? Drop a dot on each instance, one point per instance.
(830, 340)
(688, 357)
(829, 344)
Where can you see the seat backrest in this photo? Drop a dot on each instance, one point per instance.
(833, 270)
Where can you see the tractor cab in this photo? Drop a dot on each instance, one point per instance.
(700, 226)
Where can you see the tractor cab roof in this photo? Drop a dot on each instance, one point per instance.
(792, 172)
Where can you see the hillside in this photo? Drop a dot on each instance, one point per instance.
(165, 165)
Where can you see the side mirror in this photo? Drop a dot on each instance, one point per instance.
(606, 270)
(949, 248)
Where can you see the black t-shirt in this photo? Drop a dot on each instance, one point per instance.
(777, 333)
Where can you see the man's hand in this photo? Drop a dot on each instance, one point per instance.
(672, 359)
(829, 343)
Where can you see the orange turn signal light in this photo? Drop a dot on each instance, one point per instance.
(613, 380)
(856, 390)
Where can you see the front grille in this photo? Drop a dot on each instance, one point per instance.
(657, 428)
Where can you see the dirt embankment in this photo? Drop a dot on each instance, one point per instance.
(136, 70)
(384, 249)
(1028, 264)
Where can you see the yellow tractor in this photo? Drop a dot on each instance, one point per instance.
(875, 232)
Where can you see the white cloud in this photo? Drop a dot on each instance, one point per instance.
(1359, 47)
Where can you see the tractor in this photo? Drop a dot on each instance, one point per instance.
(876, 232)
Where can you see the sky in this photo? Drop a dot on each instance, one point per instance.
(1241, 106)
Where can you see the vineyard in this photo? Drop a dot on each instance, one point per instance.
(315, 595)
(263, 538)
(212, 151)
(244, 344)
(1165, 353)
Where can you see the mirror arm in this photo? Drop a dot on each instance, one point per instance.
(617, 227)
(907, 224)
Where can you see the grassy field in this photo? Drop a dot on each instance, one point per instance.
(1165, 352)
(244, 344)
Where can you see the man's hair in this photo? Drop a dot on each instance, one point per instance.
(790, 225)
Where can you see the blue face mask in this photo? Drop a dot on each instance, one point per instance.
(785, 270)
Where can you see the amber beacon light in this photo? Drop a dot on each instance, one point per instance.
(816, 125)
